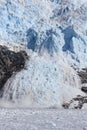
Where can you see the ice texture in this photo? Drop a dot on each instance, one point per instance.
(54, 34)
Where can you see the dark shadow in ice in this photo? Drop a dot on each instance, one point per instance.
(55, 1)
(69, 33)
(48, 43)
(31, 39)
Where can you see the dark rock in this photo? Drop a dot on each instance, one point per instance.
(84, 89)
(79, 100)
(84, 69)
(66, 105)
(10, 62)
(83, 76)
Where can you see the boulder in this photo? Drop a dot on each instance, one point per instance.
(84, 89)
(10, 62)
(83, 76)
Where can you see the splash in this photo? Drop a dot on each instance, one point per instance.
(45, 82)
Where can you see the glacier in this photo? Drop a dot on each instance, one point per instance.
(54, 34)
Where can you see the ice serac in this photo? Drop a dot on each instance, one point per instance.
(54, 33)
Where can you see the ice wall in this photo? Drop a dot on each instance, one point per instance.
(17, 17)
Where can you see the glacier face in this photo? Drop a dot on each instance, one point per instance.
(57, 17)
(54, 33)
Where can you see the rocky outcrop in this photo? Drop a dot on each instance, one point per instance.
(79, 102)
(10, 62)
(83, 75)
(76, 103)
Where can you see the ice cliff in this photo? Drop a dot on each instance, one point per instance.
(54, 34)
